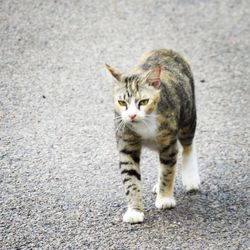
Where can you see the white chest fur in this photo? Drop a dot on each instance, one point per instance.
(147, 130)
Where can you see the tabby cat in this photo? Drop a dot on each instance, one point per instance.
(155, 107)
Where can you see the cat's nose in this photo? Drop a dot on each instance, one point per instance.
(132, 117)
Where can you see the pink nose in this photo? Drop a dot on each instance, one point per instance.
(132, 117)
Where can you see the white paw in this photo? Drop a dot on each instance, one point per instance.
(190, 172)
(191, 182)
(165, 202)
(155, 189)
(133, 216)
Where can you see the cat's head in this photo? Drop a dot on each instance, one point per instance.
(135, 96)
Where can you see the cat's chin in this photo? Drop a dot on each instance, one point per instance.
(133, 122)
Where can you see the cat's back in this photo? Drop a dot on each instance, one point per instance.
(169, 60)
(177, 84)
(155, 57)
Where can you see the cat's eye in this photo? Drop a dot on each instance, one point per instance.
(143, 102)
(122, 103)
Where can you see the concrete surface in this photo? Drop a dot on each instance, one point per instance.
(59, 177)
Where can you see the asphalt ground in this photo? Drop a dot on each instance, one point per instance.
(60, 186)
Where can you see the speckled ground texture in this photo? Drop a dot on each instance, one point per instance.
(60, 186)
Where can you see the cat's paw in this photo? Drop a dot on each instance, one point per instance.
(191, 183)
(133, 216)
(165, 202)
(155, 189)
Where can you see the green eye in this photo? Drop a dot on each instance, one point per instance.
(122, 103)
(143, 102)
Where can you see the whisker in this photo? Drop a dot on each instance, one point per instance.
(148, 120)
(131, 127)
(146, 125)
(118, 117)
(117, 121)
(121, 125)
(118, 127)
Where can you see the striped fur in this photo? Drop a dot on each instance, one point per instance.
(165, 79)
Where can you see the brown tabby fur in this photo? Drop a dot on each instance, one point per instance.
(175, 117)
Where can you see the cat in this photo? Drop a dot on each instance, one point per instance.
(155, 107)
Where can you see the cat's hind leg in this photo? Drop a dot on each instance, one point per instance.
(190, 172)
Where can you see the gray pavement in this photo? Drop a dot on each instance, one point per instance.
(60, 186)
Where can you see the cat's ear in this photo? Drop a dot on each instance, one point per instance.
(115, 73)
(154, 77)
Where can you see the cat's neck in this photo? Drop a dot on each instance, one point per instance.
(147, 128)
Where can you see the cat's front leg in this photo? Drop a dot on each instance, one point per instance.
(165, 190)
(131, 177)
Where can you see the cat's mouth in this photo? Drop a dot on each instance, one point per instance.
(134, 122)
